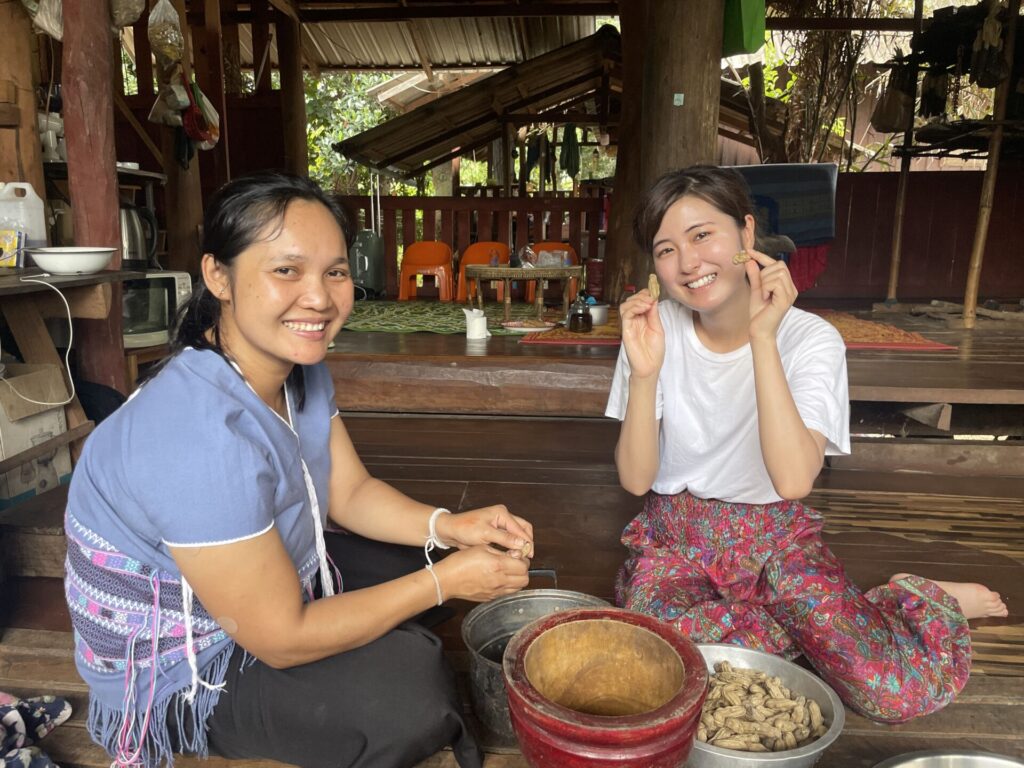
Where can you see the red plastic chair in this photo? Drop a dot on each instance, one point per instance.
(550, 245)
(480, 253)
(426, 257)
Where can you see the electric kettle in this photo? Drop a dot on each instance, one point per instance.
(138, 237)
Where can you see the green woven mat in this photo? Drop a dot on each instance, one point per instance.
(428, 316)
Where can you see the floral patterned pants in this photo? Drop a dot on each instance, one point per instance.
(760, 576)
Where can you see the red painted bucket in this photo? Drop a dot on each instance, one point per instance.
(604, 688)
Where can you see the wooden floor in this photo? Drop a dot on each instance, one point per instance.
(558, 473)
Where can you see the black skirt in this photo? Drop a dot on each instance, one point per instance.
(388, 704)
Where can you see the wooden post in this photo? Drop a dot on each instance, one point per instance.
(674, 122)
(232, 52)
(261, 45)
(92, 176)
(904, 182)
(988, 184)
(20, 152)
(143, 54)
(621, 253)
(183, 194)
(507, 142)
(293, 94)
(210, 76)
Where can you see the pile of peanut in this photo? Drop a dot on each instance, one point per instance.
(750, 711)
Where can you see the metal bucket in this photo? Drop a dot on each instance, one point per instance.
(486, 631)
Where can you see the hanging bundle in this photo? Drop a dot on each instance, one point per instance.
(988, 62)
(934, 89)
(569, 157)
(895, 107)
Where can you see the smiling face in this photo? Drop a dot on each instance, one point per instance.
(286, 296)
(693, 254)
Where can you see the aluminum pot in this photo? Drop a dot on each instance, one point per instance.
(795, 678)
(486, 631)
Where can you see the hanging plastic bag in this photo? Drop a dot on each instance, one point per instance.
(201, 121)
(47, 17)
(895, 107)
(164, 32)
(125, 12)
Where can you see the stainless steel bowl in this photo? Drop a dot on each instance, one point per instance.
(795, 678)
(946, 759)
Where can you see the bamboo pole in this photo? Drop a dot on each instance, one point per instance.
(988, 184)
(904, 182)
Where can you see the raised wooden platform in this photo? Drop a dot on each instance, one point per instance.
(559, 474)
(434, 373)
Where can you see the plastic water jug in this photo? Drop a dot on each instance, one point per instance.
(21, 208)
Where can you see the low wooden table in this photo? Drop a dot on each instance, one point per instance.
(480, 272)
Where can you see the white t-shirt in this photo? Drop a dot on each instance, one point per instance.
(708, 408)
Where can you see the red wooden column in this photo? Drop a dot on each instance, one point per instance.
(209, 68)
(92, 176)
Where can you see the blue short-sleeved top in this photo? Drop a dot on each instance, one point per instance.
(194, 458)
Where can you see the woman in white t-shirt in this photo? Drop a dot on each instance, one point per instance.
(729, 399)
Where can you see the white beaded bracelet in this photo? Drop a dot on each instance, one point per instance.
(432, 529)
(437, 583)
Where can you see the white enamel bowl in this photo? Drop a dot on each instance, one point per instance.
(71, 260)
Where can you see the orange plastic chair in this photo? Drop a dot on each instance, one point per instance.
(550, 245)
(426, 257)
(480, 253)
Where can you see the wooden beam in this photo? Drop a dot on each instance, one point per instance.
(232, 51)
(33, 453)
(143, 54)
(988, 184)
(210, 76)
(261, 18)
(287, 7)
(807, 24)
(183, 193)
(293, 94)
(139, 129)
(20, 150)
(315, 13)
(92, 175)
(420, 47)
(904, 179)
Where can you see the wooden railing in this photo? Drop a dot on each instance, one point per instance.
(461, 221)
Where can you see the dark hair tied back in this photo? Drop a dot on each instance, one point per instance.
(240, 213)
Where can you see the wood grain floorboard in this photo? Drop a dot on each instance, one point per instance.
(877, 523)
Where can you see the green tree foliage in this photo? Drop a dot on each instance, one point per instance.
(337, 107)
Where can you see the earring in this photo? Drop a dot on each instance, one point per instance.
(741, 258)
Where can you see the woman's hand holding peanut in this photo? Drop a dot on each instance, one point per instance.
(481, 573)
(642, 334)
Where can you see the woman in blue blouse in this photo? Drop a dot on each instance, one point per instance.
(208, 615)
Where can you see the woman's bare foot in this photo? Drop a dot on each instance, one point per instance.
(976, 600)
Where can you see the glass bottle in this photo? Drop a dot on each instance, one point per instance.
(580, 319)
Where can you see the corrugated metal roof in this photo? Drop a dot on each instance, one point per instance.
(473, 116)
(446, 43)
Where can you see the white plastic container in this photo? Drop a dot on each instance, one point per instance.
(22, 208)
